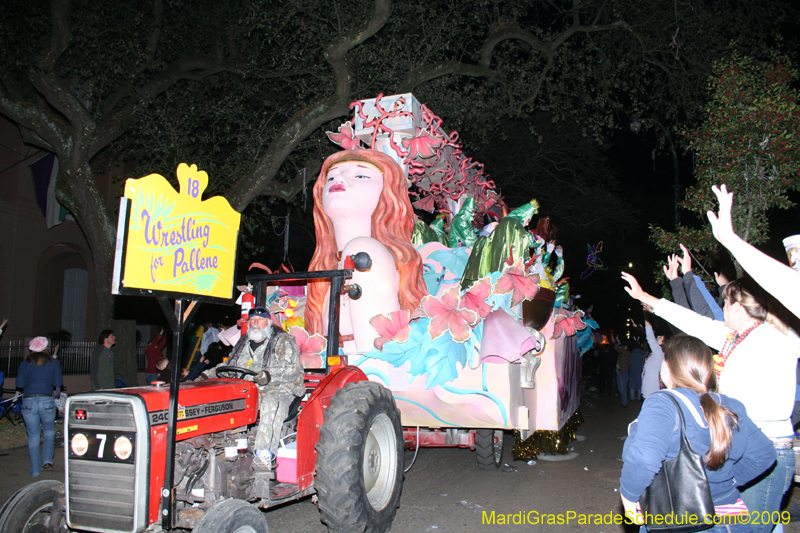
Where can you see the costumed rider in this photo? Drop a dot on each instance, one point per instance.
(274, 354)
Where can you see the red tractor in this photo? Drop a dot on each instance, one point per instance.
(344, 442)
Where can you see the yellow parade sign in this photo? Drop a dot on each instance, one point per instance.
(175, 242)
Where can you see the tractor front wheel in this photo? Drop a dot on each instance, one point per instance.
(30, 509)
(232, 516)
(360, 459)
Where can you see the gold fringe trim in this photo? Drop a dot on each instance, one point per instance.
(545, 441)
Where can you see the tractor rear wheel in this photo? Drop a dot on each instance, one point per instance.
(360, 459)
(489, 448)
(232, 516)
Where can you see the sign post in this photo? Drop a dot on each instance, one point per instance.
(175, 245)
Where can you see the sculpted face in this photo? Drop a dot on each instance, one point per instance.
(352, 189)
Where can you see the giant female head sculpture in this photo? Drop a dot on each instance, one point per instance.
(391, 223)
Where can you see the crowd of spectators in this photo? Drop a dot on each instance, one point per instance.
(751, 377)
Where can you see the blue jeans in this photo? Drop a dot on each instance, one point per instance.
(767, 494)
(622, 385)
(39, 413)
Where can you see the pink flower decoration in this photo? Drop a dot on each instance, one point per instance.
(346, 138)
(423, 146)
(447, 314)
(566, 323)
(475, 297)
(514, 280)
(311, 347)
(392, 328)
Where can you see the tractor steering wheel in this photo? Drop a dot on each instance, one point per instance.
(243, 371)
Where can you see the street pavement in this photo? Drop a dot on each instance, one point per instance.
(446, 492)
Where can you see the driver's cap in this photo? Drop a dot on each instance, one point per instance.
(259, 311)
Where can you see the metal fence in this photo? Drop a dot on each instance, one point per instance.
(74, 357)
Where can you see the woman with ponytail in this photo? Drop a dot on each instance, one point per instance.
(39, 378)
(756, 365)
(735, 450)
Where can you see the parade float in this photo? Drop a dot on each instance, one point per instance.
(451, 334)
(467, 320)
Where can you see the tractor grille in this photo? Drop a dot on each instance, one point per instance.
(101, 495)
(101, 488)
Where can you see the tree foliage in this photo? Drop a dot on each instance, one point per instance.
(749, 140)
(246, 88)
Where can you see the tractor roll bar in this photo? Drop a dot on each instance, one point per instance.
(337, 277)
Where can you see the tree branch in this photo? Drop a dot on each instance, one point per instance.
(60, 35)
(305, 121)
(155, 36)
(287, 191)
(64, 100)
(126, 88)
(196, 67)
(497, 36)
(29, 116)
(420, 75)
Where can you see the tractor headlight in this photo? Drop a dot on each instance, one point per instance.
(79, 444)
(123, 448)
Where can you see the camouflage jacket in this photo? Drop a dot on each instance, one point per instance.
(278, 354)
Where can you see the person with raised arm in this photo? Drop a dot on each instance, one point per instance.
(778, 279)
(651, 381)
(755, 365)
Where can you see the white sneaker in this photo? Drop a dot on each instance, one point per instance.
(264, 458)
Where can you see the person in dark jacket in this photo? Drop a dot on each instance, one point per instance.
(39, 378)
(154, 352)
(101, 367)
(638, 355)
(735, 450)
(210, 359)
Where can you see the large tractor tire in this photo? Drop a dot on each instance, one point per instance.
(489, 448)
(360, 460)
(29, 509)
(232, 516)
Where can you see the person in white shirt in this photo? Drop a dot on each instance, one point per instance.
(756, 365)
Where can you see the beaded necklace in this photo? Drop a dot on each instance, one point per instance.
(731, 342)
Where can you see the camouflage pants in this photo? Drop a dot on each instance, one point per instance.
(272, 413)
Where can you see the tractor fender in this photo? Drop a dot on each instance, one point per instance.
(312, 416)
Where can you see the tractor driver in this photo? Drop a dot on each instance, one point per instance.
(274, 354)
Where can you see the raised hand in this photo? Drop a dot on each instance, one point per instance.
(671, 268)
(722, 223)
(636, 291)
(686, 261)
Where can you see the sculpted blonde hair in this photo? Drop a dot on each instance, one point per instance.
(392, 224)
